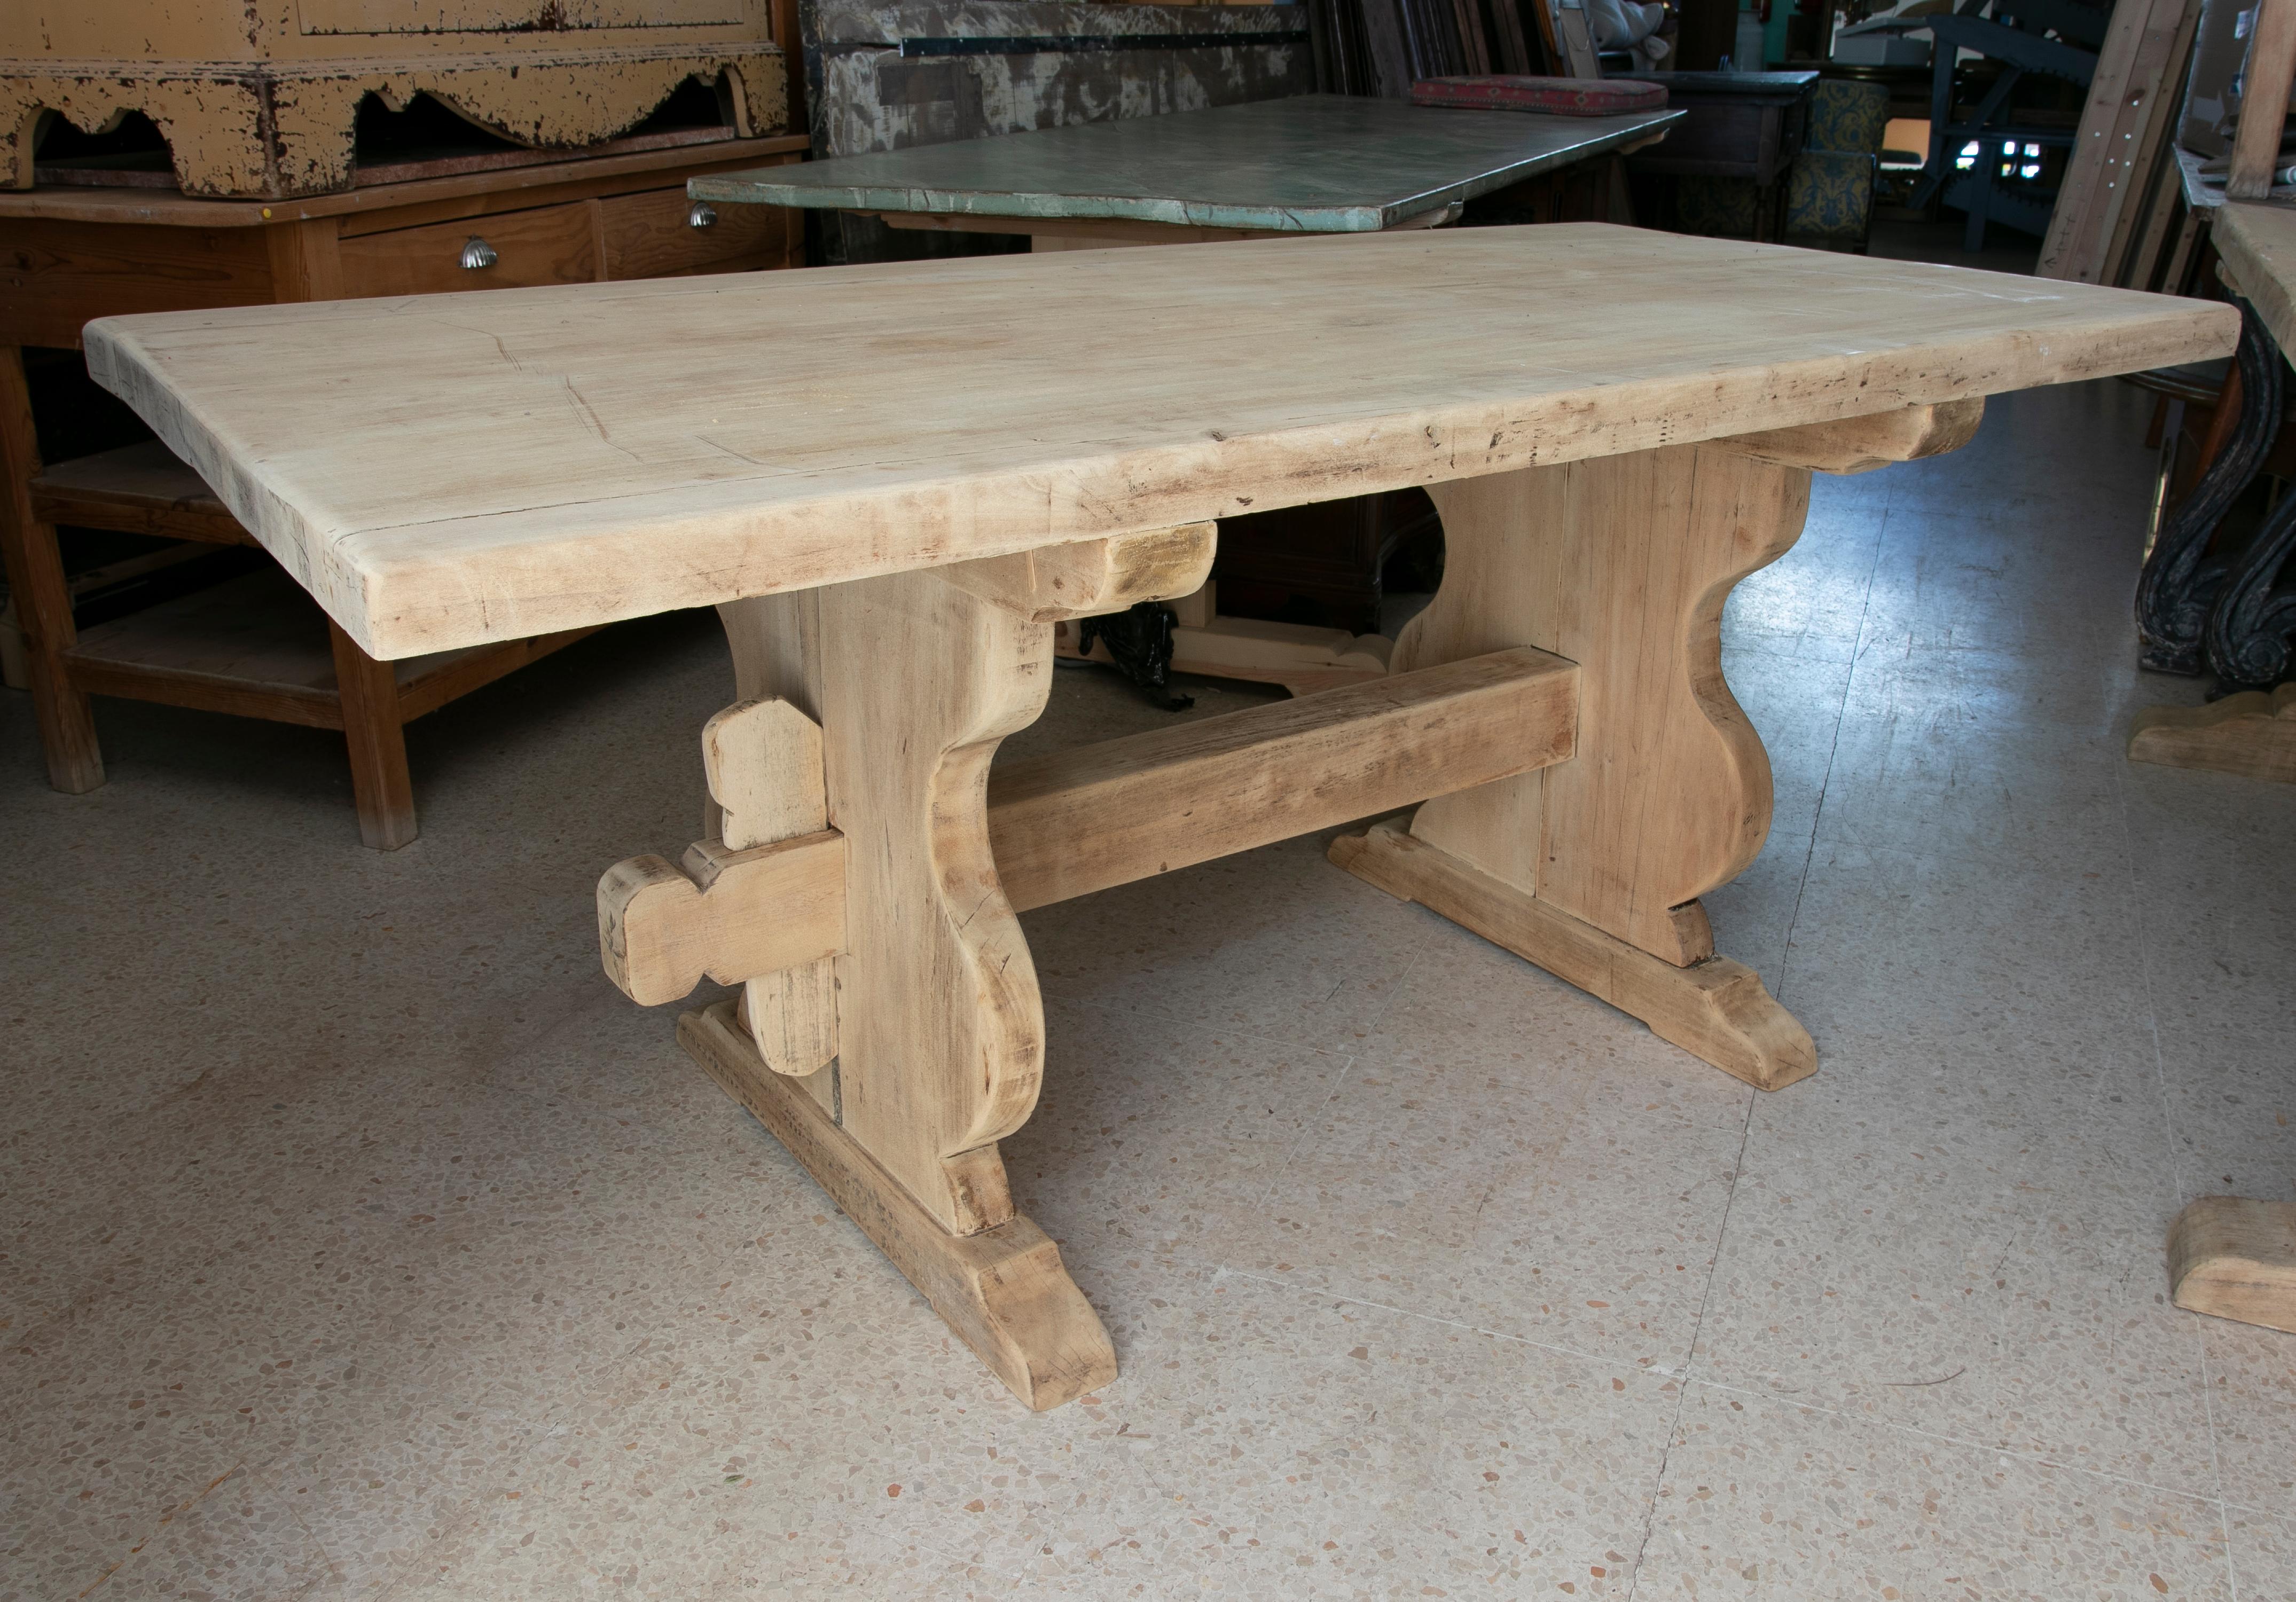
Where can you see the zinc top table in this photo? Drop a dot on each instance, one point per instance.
(1737, 124)
(888, 559)
(2237, 622)
(1311, 163)
(2234, 1257)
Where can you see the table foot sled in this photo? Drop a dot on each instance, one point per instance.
(1557, 716)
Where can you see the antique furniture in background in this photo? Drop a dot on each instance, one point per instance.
(1742, 128)
(263, 98)
(1298, 591)
(2232, 1257)
(889, 570)
(2206, 602)
(1830, 190)
(897, 75)
(2018, 39)
(1829, 184)
(255, 646)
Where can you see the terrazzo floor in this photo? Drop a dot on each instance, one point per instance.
(363, 1242)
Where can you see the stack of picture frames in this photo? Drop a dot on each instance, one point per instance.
(1381, 47)
(2117, 211)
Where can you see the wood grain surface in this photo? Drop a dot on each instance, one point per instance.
(456, 468)
(2257, 244)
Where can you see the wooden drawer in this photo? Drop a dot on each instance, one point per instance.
(647, 235)
(550, 244)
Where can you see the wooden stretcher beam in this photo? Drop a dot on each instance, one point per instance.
(728, 914)
(1075, 821)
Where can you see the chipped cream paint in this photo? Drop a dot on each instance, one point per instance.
(874, 99)
(259, 101)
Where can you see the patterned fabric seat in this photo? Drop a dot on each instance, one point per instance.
(1830, 190)
(1830, 195)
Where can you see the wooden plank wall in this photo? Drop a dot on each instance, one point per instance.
(2110, 217)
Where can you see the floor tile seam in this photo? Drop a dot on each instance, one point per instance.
(1609, 1365)
(2199, 1336)
(263, 1476)
(1794, 919)
(2284, 1516)
(1833, 755)
(1300, 1136)
(175, 1511)
(2150, 988)
(2018, 863)
(1402, 981)
(2031, 1458)
(1194, 1022)
(2136, 902)
(1697, 1329)
(1746, 1126)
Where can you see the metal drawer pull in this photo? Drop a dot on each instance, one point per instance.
(702, 214)
(478, 254)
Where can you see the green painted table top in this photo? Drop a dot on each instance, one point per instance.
(1313, 164)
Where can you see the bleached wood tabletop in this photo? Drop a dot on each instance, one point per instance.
(895, 480)
(686, 441)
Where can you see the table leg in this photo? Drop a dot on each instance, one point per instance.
(380, 786)
(871, 712)
(36, 577)
(1592, 867)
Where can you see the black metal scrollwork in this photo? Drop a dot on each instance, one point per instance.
(2250, 627)
(1140, 644)
(2182, 584)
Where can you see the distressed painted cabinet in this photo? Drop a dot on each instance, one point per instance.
(256, 646)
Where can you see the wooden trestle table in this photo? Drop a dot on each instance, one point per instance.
(892, 480)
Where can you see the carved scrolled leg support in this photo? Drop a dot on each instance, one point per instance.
(1592, 867)
(2250, 627)
(2181, 583)
(891, 1033)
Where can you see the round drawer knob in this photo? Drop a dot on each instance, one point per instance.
(702, 214)
(478, 254)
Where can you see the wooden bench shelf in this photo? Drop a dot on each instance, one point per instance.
(256, 645)
(68, 254)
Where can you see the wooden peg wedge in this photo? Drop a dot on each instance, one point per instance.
(1859, 445)
(730, 915)
(766, 776)
(764, 763)
(1089, 578)
(791, 1016)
